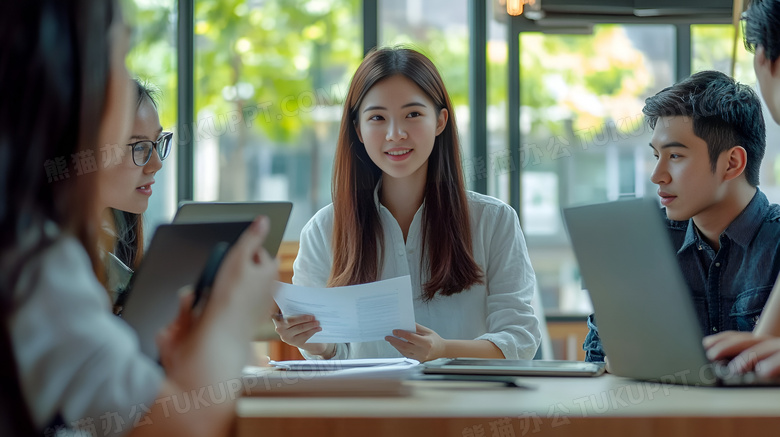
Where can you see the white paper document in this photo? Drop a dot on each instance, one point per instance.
(355, 313)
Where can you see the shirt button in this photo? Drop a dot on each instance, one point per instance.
(714, 329)
(717, 264)
(400, 252)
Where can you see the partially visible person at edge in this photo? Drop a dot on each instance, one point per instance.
(759, 350)
(67, 361)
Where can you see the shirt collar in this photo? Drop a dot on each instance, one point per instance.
(691, 237)
(746, 225)
(379, 205)
(741, 230)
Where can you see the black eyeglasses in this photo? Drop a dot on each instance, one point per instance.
(142, 150)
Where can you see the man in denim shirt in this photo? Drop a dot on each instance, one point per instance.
(709, 140)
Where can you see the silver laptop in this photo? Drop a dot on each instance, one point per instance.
(647, 322)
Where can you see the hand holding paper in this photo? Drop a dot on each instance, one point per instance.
(297, 330)
(423, 345)
(355, 313)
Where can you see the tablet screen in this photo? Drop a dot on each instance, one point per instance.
(514, 367)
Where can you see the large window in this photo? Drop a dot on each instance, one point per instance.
(270, 80)
(498, 162)
(583, 136)
(271, 77)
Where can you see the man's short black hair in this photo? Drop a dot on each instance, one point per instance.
(725, 114)
(762, 27)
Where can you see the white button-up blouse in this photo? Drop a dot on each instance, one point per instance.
(499, 310)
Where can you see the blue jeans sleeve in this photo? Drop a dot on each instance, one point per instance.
(592, 345)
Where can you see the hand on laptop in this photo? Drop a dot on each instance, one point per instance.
(746, 352)
(423, 345)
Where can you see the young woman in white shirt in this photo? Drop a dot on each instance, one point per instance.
(67, 361)
(400, 207)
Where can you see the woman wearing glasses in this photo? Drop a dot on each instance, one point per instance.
(125, 188)
(68, 366)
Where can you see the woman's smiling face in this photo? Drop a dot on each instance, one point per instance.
(397, 122)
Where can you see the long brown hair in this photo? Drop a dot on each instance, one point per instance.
(129, 240)
(54, 69)
(357, 232)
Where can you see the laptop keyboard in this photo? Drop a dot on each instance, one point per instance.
(728, 377)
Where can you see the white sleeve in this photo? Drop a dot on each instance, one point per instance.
(510, 280)
(75, 358)
(311, 267)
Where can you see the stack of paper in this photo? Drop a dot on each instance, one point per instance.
(375, 377)
(371, 364)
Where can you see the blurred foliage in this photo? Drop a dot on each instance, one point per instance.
(250, 53)
(713, 45)
(276, 53)
(585, 78)
(270, 53)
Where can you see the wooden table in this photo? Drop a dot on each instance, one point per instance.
(604, 406)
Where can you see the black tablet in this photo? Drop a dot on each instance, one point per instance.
(174, 259)
(480, 366)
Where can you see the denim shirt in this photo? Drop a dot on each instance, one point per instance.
(729, 287)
